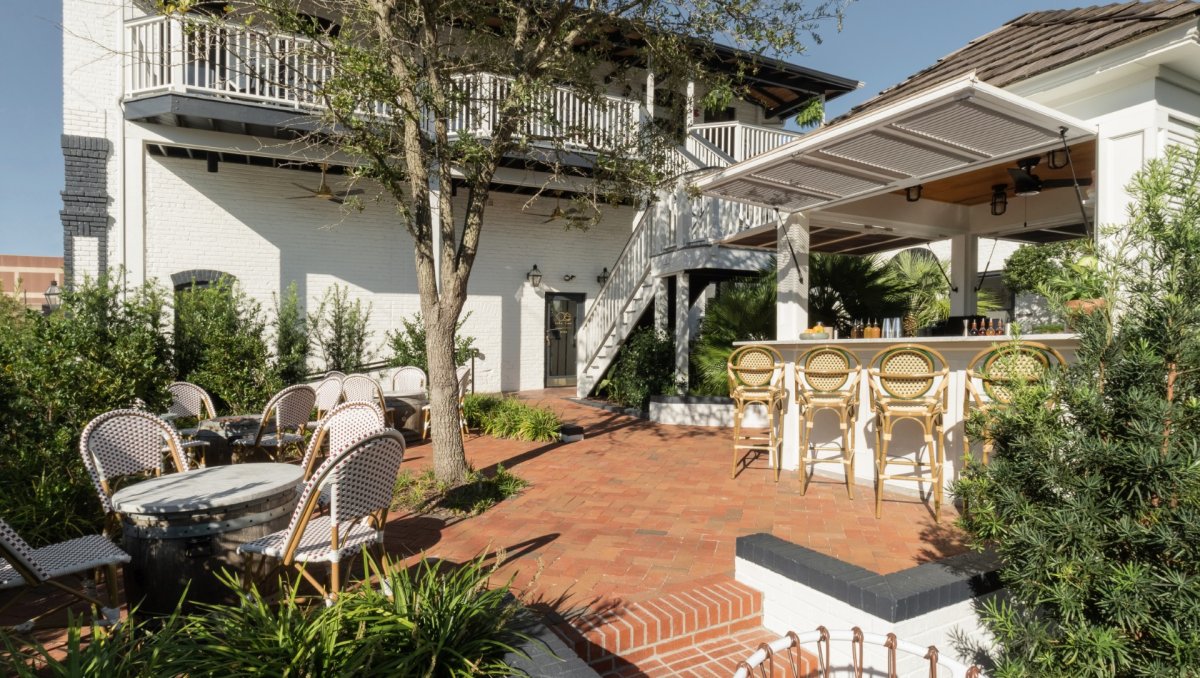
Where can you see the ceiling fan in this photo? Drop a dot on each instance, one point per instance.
(559, 213)
(1026, 183)
(324, 192)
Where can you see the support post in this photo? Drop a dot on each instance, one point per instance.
(435, 225)
(662, 320)
(683, 332)
(964, 273)
(791, 306)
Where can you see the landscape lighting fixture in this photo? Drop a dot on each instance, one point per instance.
(999, 199)
(603, 277)
(534, 276)
(53, 295)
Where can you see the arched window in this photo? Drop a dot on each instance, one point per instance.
(200, 277)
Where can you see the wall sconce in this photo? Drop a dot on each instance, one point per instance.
(913, 193)
(1058, 159)
(534, 276)
(212, 162)
(603, 277)
(999, 199)
(568, 277)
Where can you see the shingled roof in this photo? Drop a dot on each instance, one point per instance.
(1037, 42)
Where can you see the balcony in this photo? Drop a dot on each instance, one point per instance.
(271, 84)
(719, 144)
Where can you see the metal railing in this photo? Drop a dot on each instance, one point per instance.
(867, 654)
(740, 140)
(244, 63)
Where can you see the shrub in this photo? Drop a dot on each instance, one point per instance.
(339, 329)
(291, 339)
(476, 494)
(743, 310)
(1031, 266)
(434, 620)
(1094, 504)
(645, 367)
(103, 349)
(408, 344)
(502, 417)
(221, 345)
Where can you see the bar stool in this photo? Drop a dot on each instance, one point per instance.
(827, 379)
(994, 374)
(909, 381)
(756, 377)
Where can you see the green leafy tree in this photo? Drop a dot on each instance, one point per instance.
(103, 349)
(1094, 503)
(1032, 266)
(408, 344)
(221, 345)
(402, 72)
(340, 330)
(291, 338)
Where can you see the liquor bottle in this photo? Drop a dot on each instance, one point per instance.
(974, 331)
(995, 329)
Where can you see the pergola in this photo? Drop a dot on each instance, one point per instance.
(921, 169)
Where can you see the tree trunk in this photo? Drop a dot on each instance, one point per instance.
(449, 455)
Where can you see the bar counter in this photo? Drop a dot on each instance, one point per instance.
(958, 352)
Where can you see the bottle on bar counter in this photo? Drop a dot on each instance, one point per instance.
(974, 328)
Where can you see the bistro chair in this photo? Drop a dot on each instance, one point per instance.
(361, 482)
(341, 426)
(994, 375)
(756, 378)
(282, 425)
(463, 375)
(827, 379)
(334, 374)
(83, 557)
(189, 400)
(909, 381)
(361, 388)
(410, 379)
(124, 443)
(329, 393)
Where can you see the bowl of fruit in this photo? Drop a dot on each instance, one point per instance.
(818, 333)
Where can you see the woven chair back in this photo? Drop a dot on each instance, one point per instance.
(827, 369)
(361, 388)
(291, 407)
(329, 393)
(755, 368)
(334, 374)
(343, 425)
(909, 372)
(189, 400)
(361, 482)
(125, 442)
(410, 379)
(19, 555)
(994, 375)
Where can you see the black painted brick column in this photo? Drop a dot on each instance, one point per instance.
(85, 196)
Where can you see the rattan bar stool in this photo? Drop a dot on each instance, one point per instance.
(909, 381)
(827, 379)
(756, 378)
(994, 374)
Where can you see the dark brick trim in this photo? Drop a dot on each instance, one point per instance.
(892, 597)
(85, 196)
(200, 276)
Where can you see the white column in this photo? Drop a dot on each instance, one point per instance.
(791, 316)
(662, 320)
(791, 306)
(650, 91)
(131, 251)
(683, 332)
(689, 116)
(964, 273)
(435, 225)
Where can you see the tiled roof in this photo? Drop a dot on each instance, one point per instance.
(1037, 42)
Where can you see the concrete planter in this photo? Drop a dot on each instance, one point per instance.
(714, 411)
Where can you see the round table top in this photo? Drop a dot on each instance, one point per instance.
(207, 488)
(404, 394)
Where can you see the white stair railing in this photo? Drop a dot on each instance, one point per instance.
(740, 140)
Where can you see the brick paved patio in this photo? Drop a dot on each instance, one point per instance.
(639, 511)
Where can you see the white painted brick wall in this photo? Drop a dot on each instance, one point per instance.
(85, 251)
(240, 221)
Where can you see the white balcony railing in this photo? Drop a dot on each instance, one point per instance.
(740, 140)
(242, 63)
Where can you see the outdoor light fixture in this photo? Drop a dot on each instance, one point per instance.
(53, 296)
(1057, 159)
(212, 162)
(913, 193)
(534, 276)
(568, 277)
(603, 277)
(999, 199)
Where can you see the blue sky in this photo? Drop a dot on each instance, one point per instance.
(882, 42)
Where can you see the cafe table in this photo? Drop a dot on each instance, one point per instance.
(406, 407)
(182, 529)
(220, 432)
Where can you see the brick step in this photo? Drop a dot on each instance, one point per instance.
(682, 618)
